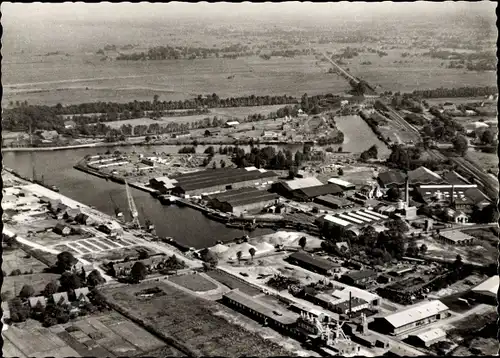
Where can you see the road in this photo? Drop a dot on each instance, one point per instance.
(343, 72)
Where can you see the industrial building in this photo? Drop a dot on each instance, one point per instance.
(334, 202)
(427, 338)
(163, 184)
(359, 278)
(422, 176)
(313, 263)
(487, 291)
(215, 180)
(391, 179)
(287, 188)
(308, 194)
(455, 238)
(242, 200)
(417, 316)
(345, 185)
(280, 320)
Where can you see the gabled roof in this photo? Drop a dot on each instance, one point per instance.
(431, 334)
(358, 275)
(476, 195)
(452, 177)
(392, 177)
(79, 292)
(318, 190)
(488, 287)
(302, 183)
(313, 260)
(422, 175)
(60, 297)
(416, 313)
(33, 301)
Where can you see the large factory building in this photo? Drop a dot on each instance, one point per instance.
(242, 200)
(215, 180)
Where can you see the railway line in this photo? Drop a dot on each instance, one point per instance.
(487, 183)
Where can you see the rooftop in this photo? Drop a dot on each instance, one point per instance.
(489, 286)
(340, 182)
(313, 260)
(259, 306)
(334, 200)
(431, 334)
(392, 177)
(456, 236)
(318, 190)
(336, 220)
(452, 177)
(245, 196)
(302, 183)
(422, 175)
(355, 292)
(358, 275)
(416, 313)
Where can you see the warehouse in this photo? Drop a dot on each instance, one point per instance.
(487, 291)
(242, 200)
(456, 238)
(284, 321)
(338, 305)
(372, 299)
(308, 194)
(345, 185)
(313, 263)
(289, 187)
(163, 184)
(417, 316)
(422, 176)
(391, 179)
(428, 338)
(334, 202)
(214, 180)
(359, 278)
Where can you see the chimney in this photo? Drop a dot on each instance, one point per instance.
(452, 194)
(407, 192)
(350, 303)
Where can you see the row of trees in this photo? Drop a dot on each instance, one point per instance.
(456, 92)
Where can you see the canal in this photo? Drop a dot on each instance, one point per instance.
(185, 225)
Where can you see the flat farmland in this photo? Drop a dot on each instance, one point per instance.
(358, 137)
(103, 335)
(20, 260)
(190, 321)
(487, 161)
(51, 81)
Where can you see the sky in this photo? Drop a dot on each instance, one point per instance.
(80, 11)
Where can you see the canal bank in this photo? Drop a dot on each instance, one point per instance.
(188, 226)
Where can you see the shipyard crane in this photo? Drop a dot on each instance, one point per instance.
(133, 209)
(118, 212)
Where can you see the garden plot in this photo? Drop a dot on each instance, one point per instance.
(19, 260)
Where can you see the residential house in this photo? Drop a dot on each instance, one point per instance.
(81, 294)
(61, 298)
(62, 229)
(38, 300)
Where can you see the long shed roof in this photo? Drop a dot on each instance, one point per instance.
(313, 260)
(416, 313)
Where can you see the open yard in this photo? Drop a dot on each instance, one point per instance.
(233, 283)
(190, 321)
(19, 260)
(14, 284)
(193, 282)
(103, 335)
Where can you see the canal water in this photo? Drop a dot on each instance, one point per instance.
(187, 226)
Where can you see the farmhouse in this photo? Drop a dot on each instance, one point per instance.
(417, 316)
(456, 238)
(283, 321)
(215, 180)
(313, 263)
(242, 200)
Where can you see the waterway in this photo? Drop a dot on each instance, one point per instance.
(185, 225)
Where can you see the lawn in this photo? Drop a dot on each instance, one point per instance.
(103, 335)
(193, 282)
(38, 281)
(19, 260)
(190, 322)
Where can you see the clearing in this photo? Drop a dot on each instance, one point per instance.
(190, 321)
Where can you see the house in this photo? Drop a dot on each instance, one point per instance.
(359, 278)
(181, 135)
(313, 263)
(152, 263)
(71, 213)
(84, 219)
(62, 229)
(49, 135)
(81, 294)
(428, 338)
(232, 124)
(410, 318)
(212, 132)
(38, 300)
(61, 298)
(459, 217)
(456, 238)
(69, 124)
(104, 228)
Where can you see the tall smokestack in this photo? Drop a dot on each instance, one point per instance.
(452, 194)
(407, 192)
(350, 303)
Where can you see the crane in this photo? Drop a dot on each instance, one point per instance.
(133, 209)
(118, 212)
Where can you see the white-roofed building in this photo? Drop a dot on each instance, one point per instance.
(162, 184)
(336, 221)
(232, 124)
(428, 338)
(369, 297)
(375, 214)
(348, 217)
(487, 290)
(413, 317)
(342, 183)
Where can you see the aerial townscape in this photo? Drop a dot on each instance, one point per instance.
(243, 179)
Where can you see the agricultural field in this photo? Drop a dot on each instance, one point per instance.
(358, 136)
(194, 282)
(103, 335)
(487, 161)
(19, 260)
(189, 320)
(14, 284)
